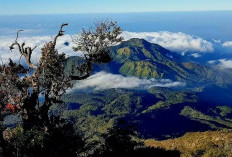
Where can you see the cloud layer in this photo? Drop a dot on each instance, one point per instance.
(38, 41)
(225, 63)
(227, 44)
(179, 42)
(222, 63)
(196, 55)
(103, 80)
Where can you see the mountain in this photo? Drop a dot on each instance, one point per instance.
(161, 113)
(137, 57)
(148, 60)
(199, 107)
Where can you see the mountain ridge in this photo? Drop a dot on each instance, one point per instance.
(139, 58)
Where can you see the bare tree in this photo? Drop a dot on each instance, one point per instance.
(20, 94)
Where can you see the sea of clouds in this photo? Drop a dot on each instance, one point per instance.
(179, 42)
(103, 80)
(38, 41)
(222, 63)
(174, 41)
(227, 44)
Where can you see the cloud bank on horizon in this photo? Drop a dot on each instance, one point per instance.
(222, 63)
(103, 80)
(225, 63)
(227, 44)
(179, 42)
(38, 41)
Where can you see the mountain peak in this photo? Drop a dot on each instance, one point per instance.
(137, 42)
(136, 49)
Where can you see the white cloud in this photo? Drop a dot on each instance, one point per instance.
(222, 63)
(217, 41)
(174, 41)
(103, 80)
(225, 63)
(196, 55)
(227, 44)
(179, 42)
(38, 41)
(212, 61)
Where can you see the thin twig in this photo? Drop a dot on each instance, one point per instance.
(20, 58)
(18, 35)
(60, 33)
(34, 48)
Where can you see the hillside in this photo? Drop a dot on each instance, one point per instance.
(156, 113)
(137, 57)
(205, 144)
(159, 113)
(148, 60)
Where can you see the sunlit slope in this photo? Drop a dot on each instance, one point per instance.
(137, 57)
(206, 144)
(143, 59)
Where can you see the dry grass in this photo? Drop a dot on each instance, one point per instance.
(205, 144)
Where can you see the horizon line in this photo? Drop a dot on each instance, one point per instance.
(116, 12)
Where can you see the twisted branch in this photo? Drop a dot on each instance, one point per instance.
(60, 33)
(18, 35)
(26, 52)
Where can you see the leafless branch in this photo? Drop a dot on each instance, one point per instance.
(60, 33)
(17, 35)
(26, 52)
(20, 58)
(34, 48)
(80, 77)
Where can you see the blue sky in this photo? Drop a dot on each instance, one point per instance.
(8, 7)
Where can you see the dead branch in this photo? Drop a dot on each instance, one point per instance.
(26, 52)
(80, 77)
(16, 44)
(17, 35)
(34, 48)
(60, 33)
